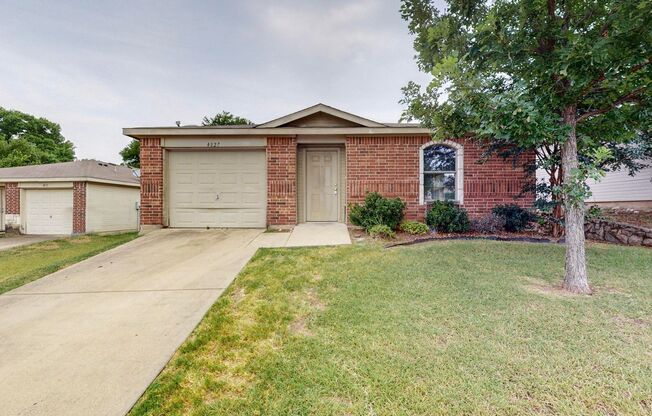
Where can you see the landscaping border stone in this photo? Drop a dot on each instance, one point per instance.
(617, 232)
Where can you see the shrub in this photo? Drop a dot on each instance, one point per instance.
(594, 213)
(381, 230)
(516, 218)
(444, 216)
(414, 227)
(377, 210)
(488, 224)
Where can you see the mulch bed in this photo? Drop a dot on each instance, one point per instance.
(521, 237)
(404, 239)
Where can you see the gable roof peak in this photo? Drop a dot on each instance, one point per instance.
(321, 108)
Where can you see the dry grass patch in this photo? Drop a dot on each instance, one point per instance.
(547, 289)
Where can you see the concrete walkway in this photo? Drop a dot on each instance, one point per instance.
(308, 234)
(17, 240)
(89, 339)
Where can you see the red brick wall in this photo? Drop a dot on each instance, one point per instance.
(78, 207)
(387, 165)
(281, 180)
(151, 181)
(390, 166)
(12, 198)
(494, 182)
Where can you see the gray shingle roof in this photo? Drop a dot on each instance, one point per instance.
(82, 169)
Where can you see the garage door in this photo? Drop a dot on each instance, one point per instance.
(48, 211)
(111, 208)
(217, 189)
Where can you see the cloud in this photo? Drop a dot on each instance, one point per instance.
(334, 30)
(96, 67)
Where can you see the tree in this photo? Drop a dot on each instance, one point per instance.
(131, 153)
(28, 140)
(522, 75)
(224, 119)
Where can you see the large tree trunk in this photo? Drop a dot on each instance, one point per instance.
(575, 278)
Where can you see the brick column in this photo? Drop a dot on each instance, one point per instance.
(151, 182)
(281, 181)
(78, 207)
(12, 198)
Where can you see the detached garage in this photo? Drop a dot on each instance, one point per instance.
(69, 198)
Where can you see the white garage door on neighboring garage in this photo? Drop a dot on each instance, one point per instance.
(48, 211)
(111, 208)
(225, 188)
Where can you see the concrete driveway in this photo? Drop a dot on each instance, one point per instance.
(89, 339)
(17, 240)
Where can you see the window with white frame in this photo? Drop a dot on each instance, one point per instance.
(441, 172)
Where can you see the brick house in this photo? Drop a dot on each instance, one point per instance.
(308, 166)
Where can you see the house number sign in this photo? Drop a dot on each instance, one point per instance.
(213, 144)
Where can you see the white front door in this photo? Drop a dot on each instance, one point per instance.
(48, 211)
(217, 189)
(321, 185)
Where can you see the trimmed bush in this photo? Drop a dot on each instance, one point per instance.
(488, 224)
(381, 230)
(446, 217)
(414, 227)
(377, 210)
(516, 218)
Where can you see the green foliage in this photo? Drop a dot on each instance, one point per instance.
(414, 227)
(382, 231)
(505, 72)
(446, 217)
(28, 140)
(224, 119)
(488, 224)
(516, 218)
(594, 212)
(575, 190)
(377, 210)
(131, 154)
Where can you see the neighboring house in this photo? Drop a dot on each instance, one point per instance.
(308, 166)
(619, 189)
(69, 198)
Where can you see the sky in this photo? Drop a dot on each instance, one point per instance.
(95, 67)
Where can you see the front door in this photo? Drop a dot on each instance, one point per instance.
(322, 185)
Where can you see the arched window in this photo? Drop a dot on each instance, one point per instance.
(441, 172)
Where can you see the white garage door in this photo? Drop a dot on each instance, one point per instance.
(217, 189)
(48, 211)
(111, 208)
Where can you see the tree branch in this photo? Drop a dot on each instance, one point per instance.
(598, 80)
(627, 98)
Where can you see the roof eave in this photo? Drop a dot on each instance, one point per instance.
(4, 180)
(143, 132)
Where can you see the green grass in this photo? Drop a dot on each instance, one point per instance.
(22, 265)
(460, 327)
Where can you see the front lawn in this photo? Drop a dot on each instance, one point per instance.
(460, 327)
(24, 264)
